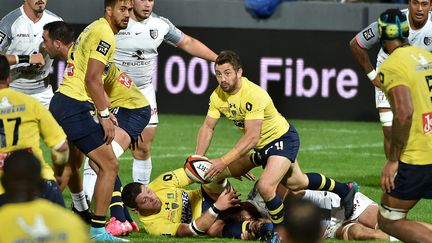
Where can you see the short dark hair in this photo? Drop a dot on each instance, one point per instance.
(230, 57)
(130, 193)
(4, 68)
(302, 221)
(111, 3)
(60, 30)
(21, 166)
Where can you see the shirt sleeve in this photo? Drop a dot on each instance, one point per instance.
(176, 178)
(368, 37)
(50, 130)
(392, 76)
(5, 35)
(103, 46)
(159, 226)
(255, 106)
(213, 111)
(174, 36)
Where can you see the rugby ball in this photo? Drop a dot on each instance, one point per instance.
(195, 167)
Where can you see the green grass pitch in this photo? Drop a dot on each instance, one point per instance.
(345, 151)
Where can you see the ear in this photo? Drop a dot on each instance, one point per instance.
(240, 72)
(134, 210)
(108, 10)
(9, 80)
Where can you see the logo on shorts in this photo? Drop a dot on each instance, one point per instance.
(427, 122)
(154, 33)
(125, 80)
(103, 47)
(427, 40)
(368, 34)
(2, 36)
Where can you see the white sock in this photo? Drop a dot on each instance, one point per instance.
(90, 176)
(141, 170)
(79, 201)
(89, 179)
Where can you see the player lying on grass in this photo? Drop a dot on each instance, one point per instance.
(165, 207)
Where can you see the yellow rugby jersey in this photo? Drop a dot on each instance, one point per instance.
(178, 205)
(97, 41)
(251, 102)
(40, 219)
(121, 91)
(412, 67)
(23, 122)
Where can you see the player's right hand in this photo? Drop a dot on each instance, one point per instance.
(377, 82)
(37, 59)
(227, 199)
(109, 129)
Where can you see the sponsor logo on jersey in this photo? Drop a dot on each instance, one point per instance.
(103, 47)
(154, 33)
(427, 40)
(23, 35)
(368, 34)
(2, 36)
(125, 80)
(123, 33)
(139, 54)
(427, 122)
(69, 70)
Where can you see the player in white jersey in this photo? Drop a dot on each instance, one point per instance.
(420, 34)
(20, 39)
(136, 53)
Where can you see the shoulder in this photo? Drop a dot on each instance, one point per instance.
(8, 20)
(160, 19)
(52, 16)
(253, 87)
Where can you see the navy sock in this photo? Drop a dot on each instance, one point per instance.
(275, 209)
(116, 207)
(323, 183)
(98, 221)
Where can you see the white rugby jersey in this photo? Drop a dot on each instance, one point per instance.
(421, 37)
(136, 46)
(20, 36)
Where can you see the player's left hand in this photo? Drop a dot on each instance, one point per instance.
(216, 168)
(388, 174)
(113, 119)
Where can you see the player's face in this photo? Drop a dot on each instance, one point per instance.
(48, 44)
(37, 6)
(143, 8)
(419, 10)
(147, 202)
(228, 77)
(120, 14)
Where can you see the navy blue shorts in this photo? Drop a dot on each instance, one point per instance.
(76, 119)
(286, 146)
(207, 201)
(50, 191)
(133, 121)
(413, 182)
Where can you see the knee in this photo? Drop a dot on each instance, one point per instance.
(266, 189)
(143, 150)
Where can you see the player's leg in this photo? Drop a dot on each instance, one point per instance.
(142, 162)
(386, 118)
(357, 231)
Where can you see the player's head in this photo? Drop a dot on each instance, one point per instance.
(392, 26)
(5, 77)
(140, 198)
(228, 71)
(37, 6)
(57, 35)
(117, 13)
(302, 222)
(142, 9)
(419, 12)
(22, 174)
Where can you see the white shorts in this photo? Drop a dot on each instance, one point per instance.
(150, 95)
(45, 96)
(381, 99)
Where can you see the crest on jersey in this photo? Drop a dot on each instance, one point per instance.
(427, 40)
(103, 47)
(5, 102)
(2, 36)
(368, 34)
(139, 54)
(154, 33)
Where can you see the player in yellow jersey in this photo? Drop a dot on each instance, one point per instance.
(406, 77)
(164, 207)
(27, 218)
(274, 140)
(23, 122)
(82, 90)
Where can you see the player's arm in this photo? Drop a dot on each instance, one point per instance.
(35, 58)
(400, 98)
(205, 135)
(201, 225)
(59, 157)
(359, 46)
(196, 48)
(94, 83)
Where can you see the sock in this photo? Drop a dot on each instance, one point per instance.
(116, 206)
(275, 209)
(79, 201)
(323, 183)
(235, 229)
(98, 221)
(141, 170)
(89, 180)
